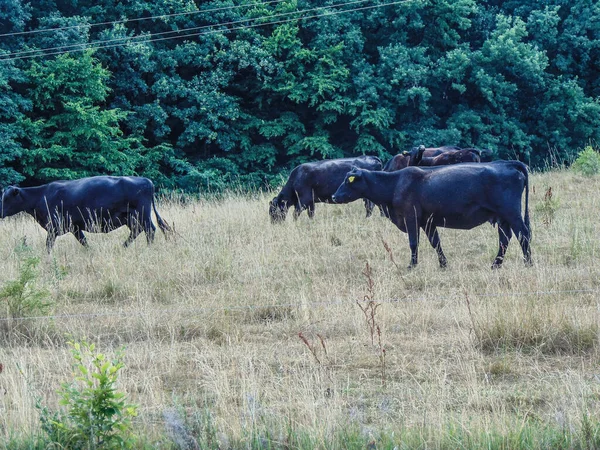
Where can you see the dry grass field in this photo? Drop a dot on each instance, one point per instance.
(242, 334)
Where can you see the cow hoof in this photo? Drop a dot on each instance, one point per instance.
(496, 266)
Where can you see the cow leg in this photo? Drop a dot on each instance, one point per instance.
(523, 233)
(311, 209)
(504, 235)
(434, 240)
(369, 205)
(135, 232)
(150, 230)
(297, 211)
(135, 229)
(80, 237)
(413, 240)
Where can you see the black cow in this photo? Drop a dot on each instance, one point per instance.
(446, 158)
(460, 196)
(316, 182)
(430, 152)
(97, 204)
(486, 155)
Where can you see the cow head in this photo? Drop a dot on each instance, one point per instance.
(416, 155)
(12, 202)
(352, 187)
(278, 209)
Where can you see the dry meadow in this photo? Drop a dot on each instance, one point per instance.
(259, 331)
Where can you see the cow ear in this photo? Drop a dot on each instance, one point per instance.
(353, 176)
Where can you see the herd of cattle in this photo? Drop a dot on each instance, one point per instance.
(423, 189)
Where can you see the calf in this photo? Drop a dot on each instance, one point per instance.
(316, 182)
(97, 204)
(460, 196)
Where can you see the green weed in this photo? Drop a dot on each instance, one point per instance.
(94, 415)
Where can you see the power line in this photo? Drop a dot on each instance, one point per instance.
(103, 44)
(127, 40)
(224, 8)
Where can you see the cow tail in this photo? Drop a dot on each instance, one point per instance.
(162, 224)
(526, 218)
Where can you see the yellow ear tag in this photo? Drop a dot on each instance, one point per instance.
(351, 179)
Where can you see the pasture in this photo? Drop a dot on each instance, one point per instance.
(243, 334)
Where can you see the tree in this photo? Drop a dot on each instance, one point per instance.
(68, 134)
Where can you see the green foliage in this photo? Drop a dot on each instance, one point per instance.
(11, 106)
(69, 135)
(94, 414)
(588, 162)
(515, 77)
(22, 297)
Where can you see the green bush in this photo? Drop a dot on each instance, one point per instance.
(588, 162)
(96, 415)
(23, 298)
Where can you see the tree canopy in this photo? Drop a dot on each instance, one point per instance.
(198, 94)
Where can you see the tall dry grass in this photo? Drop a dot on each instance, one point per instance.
(210, 321)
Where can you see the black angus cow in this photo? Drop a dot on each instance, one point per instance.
(436, 156)
(460, 196)
(486, 155)
(97, 204)
(445, 158)
(315, 182)
(430, 152)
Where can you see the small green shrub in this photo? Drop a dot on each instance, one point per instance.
(96, 416)
(23, 298)
(588, 162)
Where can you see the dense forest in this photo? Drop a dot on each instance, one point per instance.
(196, 95)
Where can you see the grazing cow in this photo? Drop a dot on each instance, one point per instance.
(460, 196)
(97, 204)
(316, 182)
(446, 158)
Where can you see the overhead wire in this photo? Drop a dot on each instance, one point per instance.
(103, 44)
(87, 46)
(137, 19)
